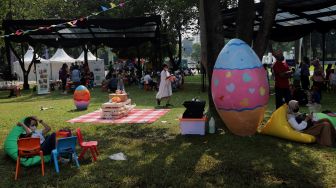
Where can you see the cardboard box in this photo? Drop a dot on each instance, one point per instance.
(193, 126)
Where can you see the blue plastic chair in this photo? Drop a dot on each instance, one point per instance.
(65, 146)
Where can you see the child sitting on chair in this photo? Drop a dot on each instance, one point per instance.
(30, 125)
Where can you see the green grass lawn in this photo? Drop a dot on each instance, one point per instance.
(158, 156)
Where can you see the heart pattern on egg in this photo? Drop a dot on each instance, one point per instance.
(251, 90)
(230, 88)
(246, 77)
(228, 74)
(216, 82)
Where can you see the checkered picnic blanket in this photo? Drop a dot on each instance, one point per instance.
(135, 116)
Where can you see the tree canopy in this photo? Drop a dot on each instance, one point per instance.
(178, 17)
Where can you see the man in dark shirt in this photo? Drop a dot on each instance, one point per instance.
(305, 73)
(282, 74)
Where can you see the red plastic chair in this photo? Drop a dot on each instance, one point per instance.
(28, 147)
(62, 134)
(92, 145)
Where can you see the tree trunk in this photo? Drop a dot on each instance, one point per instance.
(203, 36)
(171, 57)
(180, 49)
(245, 20)
(261, 42)
(297, 50)
(25, 81)
(211, 28)
(21, 62)
(26, 74)
(85, 49)
(22, 65)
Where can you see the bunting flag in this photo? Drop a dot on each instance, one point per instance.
(113, 5)
(19, 32)
(103, 8)
(72, 23)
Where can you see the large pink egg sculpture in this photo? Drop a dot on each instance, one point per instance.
(81, 97)
(240, 88)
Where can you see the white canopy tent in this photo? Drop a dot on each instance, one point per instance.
(96, 65)
(57, 60)
(28, 57)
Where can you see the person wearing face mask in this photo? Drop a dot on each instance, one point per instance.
(165, 88)
(30, 125)
(322, 129)
(282, 73)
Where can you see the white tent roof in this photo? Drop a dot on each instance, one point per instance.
(28, 57)
(91, 57)
(61, 56)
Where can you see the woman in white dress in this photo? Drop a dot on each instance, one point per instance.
(165, 88)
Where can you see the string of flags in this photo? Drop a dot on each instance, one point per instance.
(72, 23)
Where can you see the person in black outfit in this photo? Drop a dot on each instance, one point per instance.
(305, 73)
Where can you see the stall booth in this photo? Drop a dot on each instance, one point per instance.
(57, 60)
(96, 65)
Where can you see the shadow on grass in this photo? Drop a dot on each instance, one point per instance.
(32, 176)
(163, 160)
(158, 158)
(77, 110)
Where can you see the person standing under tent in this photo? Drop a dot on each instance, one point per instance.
(165, 88)
(72, 67)
(318, 77)
(75, 75)
(120, 78)
(282, 73)
(332, 80)
(91, 80)
(63, 76)
(328, 72)
(305, 73)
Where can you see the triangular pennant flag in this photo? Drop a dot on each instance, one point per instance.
(113, 5)
(72, 23)
(103, 8)
(18, 32)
